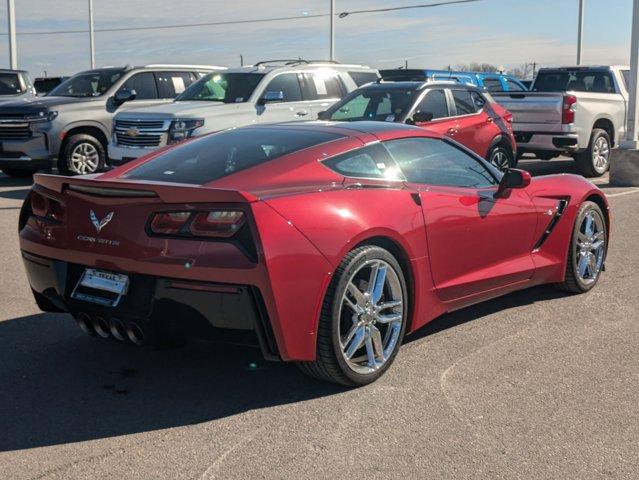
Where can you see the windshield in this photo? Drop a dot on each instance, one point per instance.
(223, 87)
(10, 84)
(89, 84)
(596, 81)
(373, 104)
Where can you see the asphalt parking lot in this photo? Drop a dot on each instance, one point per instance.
(535, 385)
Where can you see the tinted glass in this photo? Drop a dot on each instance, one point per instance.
(10, 84)
(44, 85)
(362, 78)
(215, 156)
(435, 162)
(369, 162)
(373, 104)
(92, 84)
(223, 87)
(626, 78)
(434, 102)
(578, 81)
(171, 84)
(323, 85)
(288, 84)
(478, 100)
(143, 84)
(514, 86)
(464, 102)
(493, 85)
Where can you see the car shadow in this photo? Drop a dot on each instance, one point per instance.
(15, 194)
(60, 386)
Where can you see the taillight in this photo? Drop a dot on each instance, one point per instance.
(217, 224)
(211, 223)
(169, 223)
(46, 207)
(568, 114)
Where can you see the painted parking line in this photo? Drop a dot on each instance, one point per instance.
(628, 192)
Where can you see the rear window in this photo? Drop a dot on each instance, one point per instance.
(10, 84)
(215, 156)
(595, 81)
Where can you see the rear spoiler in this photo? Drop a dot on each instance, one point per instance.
(123, 188)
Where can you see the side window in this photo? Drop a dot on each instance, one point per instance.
(372, 161)
(436, 162)
(464, 102)
(493, 84)
(362, 78)
(288, 84)
(144, 85)
(171, 84)
(478, 100)
(514, 86)
(320, 86)
(434, 102)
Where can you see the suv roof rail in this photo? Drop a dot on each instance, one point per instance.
(171, 65)
(295, 61)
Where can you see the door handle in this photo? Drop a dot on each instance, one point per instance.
(452, 131)
(301, 113)
(490, 120)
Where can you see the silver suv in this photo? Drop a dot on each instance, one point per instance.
(70, 127)
(273, 91)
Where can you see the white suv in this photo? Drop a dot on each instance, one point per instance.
(274, 91)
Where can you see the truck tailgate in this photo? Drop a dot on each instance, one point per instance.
(533, 111)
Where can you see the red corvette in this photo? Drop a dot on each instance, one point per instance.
(324, 242)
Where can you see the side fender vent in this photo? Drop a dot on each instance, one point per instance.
(561, 207)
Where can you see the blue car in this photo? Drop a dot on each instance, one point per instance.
(493, 82)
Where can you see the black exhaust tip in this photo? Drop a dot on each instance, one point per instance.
(85, 323)
(101, 327)
(135, 333)
(117, 329)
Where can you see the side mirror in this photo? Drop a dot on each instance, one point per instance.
(323, 115)
(422, 117)
(513, 178)
(272, 96)
(122, 96)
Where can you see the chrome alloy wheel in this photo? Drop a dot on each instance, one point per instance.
(371, 316)
(600, 154)
(590, 247)
(84, 159)
(500, 160)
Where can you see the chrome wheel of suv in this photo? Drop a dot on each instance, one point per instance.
(84, 159)
(601, 154)
(500, 158)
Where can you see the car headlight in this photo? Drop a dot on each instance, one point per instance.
(42, 116)
(182, 128)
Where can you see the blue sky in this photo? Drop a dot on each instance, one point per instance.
(501, 32)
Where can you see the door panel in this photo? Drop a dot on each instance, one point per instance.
(477, 243)
(293, 107)
(476, 128)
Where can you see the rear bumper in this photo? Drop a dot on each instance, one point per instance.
(534, 141)
(205, 310)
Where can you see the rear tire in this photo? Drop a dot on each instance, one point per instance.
(587, 250)
(82, 154)
(595, 160)
(18, 173)
(501, 158)
(357, 348)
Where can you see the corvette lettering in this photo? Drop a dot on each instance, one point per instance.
(98, 241)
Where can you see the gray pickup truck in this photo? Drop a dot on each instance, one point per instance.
(69, 128)
(577, 111)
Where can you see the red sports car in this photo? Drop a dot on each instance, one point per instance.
(324, 242)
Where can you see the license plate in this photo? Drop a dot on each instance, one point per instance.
(101, 287)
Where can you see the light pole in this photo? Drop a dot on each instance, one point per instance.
(91, 34)
(11, 15)
(580, 31)
(332, 41)
(624, 161)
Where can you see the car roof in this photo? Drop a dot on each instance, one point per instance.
(8, 70)
(385, 85)
(266, 67)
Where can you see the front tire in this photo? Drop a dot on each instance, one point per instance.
(595, 160)
(81, 155)
(587, 251)
(363, 319)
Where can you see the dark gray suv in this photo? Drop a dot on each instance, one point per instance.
(69, 128)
